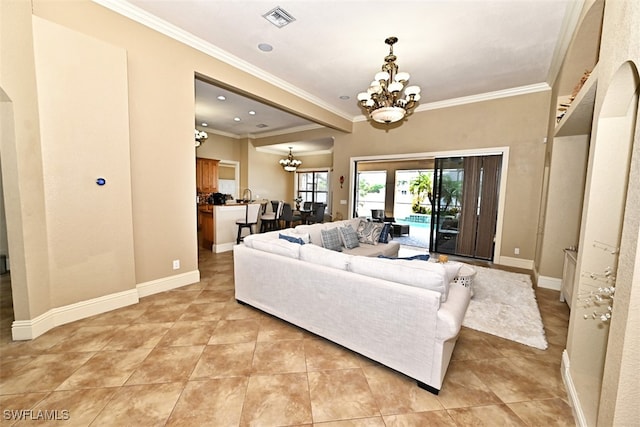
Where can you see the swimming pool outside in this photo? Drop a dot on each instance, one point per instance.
(419, 232)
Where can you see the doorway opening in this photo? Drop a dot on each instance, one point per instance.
(444, 204)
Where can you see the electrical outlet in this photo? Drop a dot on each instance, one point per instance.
(176, 264)
(516, 251)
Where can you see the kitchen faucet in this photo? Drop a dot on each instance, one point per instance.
(244, 195)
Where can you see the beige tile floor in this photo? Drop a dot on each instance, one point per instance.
(194, 357)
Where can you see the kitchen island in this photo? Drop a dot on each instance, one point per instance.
(218, 225)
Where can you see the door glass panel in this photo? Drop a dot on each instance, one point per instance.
(449, 176)
(371, 187)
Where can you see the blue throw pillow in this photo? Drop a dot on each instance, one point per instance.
(421, 257)
(384, 236)
(291, 239)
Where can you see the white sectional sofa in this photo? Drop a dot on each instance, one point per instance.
(403, 314)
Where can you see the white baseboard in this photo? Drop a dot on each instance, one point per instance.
(29, 329)
(547, 282)
(224, 247)
(527, 264)
(167, 283)
(578, 413)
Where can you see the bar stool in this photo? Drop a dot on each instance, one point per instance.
(250, 219)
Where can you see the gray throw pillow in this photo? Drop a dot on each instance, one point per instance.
(349, 237)
(369, 232)
(331, 239)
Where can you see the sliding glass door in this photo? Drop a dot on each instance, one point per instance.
(466, 205)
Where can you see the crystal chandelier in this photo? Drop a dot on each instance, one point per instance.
(388, 100)
(290, 164)
(200, 137)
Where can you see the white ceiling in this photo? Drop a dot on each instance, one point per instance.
(452, 49)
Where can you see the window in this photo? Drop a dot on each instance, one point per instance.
(313, 186)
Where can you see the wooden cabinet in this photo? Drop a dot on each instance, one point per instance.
(205, 218)
(206, 175)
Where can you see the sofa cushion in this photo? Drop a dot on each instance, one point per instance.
(331, 239)
(349, 237)
(317, 255)
(389, 249)
(369, 232)
(428, 275)
(277, 246)
(313, 230)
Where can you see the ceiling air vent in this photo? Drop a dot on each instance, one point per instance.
(262, 125)
(279, 17)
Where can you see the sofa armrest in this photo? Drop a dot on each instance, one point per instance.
(452, 311)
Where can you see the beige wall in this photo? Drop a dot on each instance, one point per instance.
(318, 161)
(89, 227)
(267, 179)
(563, 207)
(219, 147)
(21, 157)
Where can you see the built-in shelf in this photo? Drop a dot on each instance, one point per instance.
(579, 116)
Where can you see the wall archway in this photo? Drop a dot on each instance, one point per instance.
(622, 103)
(602, 244)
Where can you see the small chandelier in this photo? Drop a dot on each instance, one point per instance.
(290, 164)
(201, 136)
(384, 100)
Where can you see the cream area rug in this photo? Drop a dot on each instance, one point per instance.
(504, 304)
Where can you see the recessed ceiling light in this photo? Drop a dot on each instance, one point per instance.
(204, 124)
(345, 97)
(279, 17)
(221, 97)
(237, 119)
(265, 47)
(252, 113)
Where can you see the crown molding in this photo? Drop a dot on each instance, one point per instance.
(142, 17)
(488, 96)
(268, 150)
(286, 131)
(222, 133)
(303, 128)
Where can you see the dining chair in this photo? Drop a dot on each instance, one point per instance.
(251, 214)
(318, 214)
(270, 220)
(307, 206)
(288, 217)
